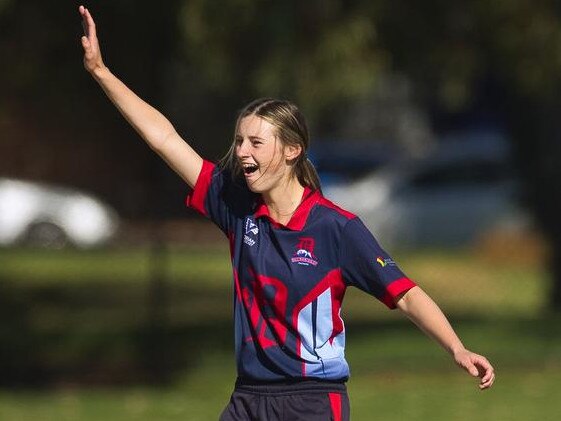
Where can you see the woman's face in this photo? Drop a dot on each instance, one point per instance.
(262, 155)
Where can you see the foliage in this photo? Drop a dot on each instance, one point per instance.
(324, 52)
(317, 53)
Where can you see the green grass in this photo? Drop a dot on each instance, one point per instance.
(31, 267)
(397, 374)
(86, 317)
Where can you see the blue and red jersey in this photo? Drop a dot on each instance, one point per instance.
(290, 280)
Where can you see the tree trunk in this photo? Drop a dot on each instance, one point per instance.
(536, 129)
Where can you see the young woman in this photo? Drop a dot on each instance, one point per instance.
(293, 255)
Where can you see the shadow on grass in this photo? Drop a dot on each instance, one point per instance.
(96, 333)
(100, 333)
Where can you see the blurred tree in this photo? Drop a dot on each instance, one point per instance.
(318, 52)
(503, 55)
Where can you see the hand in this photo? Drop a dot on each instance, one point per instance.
(477, 366)
(90, 43)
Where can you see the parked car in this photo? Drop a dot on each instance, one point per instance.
(51, 216)
(341, 161)
(449, 198)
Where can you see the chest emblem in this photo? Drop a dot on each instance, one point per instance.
(304, 254)
(251, 231)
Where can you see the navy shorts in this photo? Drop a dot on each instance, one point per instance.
(307, 400)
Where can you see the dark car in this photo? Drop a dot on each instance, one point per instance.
(449, 198)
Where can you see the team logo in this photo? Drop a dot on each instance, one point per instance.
(385, 261)
(304, 254)
(250, 229)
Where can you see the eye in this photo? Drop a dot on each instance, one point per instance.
(256, 142)
(238, 140)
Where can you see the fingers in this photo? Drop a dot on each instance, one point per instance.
(91, 24)
(88, 22)
(487, 374)
(478, 366)
(483, 369)
(89, 41)
(487, 383)
(487, 380)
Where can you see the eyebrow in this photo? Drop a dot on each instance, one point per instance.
(239, 136)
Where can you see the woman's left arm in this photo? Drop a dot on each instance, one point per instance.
(426, 314)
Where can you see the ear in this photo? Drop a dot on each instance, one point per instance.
(291, 152)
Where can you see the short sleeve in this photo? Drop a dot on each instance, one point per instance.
(207, 196)
(365, 265)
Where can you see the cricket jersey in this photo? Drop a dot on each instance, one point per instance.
(290, 280)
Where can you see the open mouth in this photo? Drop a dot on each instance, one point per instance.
(250, 168)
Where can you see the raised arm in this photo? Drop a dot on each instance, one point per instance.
(150, 124)
(424, 312)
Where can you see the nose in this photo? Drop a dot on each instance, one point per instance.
(242, 148)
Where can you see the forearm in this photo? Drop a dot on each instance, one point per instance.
(426, 314)
(150, 124)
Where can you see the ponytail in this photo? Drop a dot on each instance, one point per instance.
(307, 174)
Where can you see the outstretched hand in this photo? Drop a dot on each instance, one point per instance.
(477, 366)
(90, 43)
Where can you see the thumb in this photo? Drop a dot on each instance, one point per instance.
(85, 41)
(472, 369)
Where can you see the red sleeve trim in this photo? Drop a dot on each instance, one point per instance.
(196, 199)
(396, 288)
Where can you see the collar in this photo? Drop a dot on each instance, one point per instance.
(298, 220)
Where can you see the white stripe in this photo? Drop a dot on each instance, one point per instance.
(306, 333)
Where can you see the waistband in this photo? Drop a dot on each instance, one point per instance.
(287, 387)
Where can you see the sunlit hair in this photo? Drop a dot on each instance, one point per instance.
(291, 131)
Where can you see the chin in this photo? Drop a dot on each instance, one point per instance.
(258, 186)
(255, 189)
(264, 183)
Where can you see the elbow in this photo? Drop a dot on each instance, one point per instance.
(161, 140)
(403, 300)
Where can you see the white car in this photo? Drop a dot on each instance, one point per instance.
(52, 216)
(449, 198)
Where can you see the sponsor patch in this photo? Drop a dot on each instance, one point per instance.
(251, 230)
(248, 240)
(251, 227)
(385, 261)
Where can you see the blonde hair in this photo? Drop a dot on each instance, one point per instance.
(291, 130)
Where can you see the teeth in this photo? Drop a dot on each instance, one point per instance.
(249, 168)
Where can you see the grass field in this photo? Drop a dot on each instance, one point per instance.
(86, 323)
